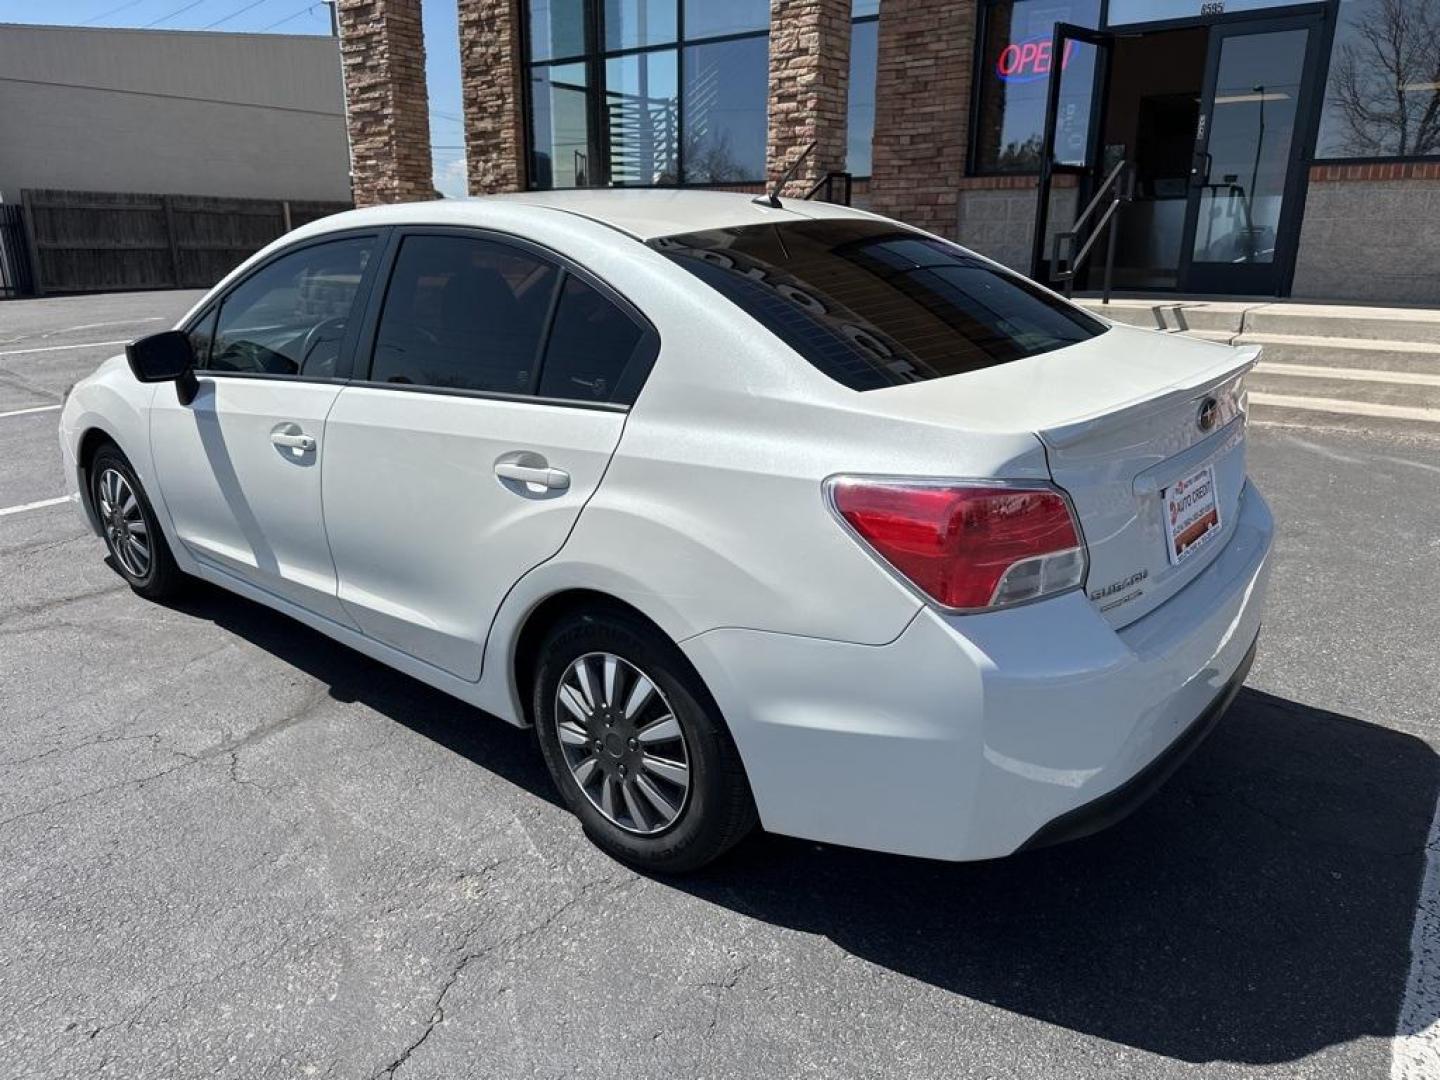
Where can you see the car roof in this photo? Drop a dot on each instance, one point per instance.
(643, 213)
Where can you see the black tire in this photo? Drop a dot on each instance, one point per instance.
(717, 809)
(158, 578)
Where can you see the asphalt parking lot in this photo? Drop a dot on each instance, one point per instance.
(234, 848)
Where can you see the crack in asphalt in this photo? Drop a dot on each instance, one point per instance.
(236, 778)
(25, 610)
(437, 1009)
(312, 704)
(187, 988)
(21, 383)
(103, 740)
(720, 987)
(37, 546)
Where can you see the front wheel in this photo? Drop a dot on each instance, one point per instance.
(127, 521)
(636, 748)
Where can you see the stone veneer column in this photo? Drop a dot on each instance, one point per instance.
(491, 70)
(922, 110)
(809, 79)
(382, 51)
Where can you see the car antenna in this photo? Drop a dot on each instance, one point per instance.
(773, 198)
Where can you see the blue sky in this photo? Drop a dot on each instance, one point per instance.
(442, 46)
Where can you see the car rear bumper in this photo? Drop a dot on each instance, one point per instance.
(971, 737)
(1116, 805)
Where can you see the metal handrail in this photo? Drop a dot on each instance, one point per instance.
(828, 183)
(1118, 180)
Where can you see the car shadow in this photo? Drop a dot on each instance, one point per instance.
(1258, 909)
(505, 750)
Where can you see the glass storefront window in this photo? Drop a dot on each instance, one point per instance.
(632, 23)
(726, 92)
(641, 106)
(860, 117)
(559, 126)
(557, 28)
(1382, 97)
(1015, 70)
(715, 18)
(611, 114)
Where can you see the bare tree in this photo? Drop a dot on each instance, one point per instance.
(709, 159)
(1384, 94)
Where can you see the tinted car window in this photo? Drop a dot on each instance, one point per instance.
(290, 317)
(592, 346)
(202, 332)
(874, 305)
(463, 313)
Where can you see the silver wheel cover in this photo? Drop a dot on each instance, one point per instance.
(622, 742)
(121, 520)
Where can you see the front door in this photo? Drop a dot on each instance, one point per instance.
(1247, 177)
(239, 466)
(495, 394)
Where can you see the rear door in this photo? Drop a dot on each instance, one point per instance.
(493, 382)
(239, 466)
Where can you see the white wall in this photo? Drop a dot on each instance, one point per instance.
(171, 112)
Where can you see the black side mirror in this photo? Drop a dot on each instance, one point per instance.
(165, 357)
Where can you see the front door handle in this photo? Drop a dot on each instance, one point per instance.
(293, 439)
(540, 475)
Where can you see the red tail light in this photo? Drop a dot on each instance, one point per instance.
(967, 546)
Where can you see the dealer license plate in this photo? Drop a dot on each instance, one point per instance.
(1192, 514)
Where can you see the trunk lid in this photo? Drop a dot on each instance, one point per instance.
(1119, 416)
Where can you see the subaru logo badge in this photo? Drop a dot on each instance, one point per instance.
(1209, 414)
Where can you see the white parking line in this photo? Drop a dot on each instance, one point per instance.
(1415, 1053)
(112, 322)
(58, 348)
(8, 510)
(88, 326)
(1349, 408)
(27, 412)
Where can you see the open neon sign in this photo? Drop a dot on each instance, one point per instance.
(1028, 60)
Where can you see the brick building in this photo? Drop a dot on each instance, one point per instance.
(1270, 148)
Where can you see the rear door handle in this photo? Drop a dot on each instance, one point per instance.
(538, 473)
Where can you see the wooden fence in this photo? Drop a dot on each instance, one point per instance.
(14, 254)
(94, 241)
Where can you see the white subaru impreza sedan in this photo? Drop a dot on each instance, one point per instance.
(758, 512)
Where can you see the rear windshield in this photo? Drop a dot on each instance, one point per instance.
(872, 304)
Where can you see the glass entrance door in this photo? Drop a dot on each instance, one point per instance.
(1077, 62)
(1246, 179)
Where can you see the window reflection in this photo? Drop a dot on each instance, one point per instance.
(557, 28)
(860, 116)
(726, 90)
(1383, 94)
(1248, 154)
(712, 18)
(559, 126)
(641, 106)
(872, 305)
(632, 23)
(606, 84)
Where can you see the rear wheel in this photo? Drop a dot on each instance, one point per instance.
(636, 748)
(132, 535)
